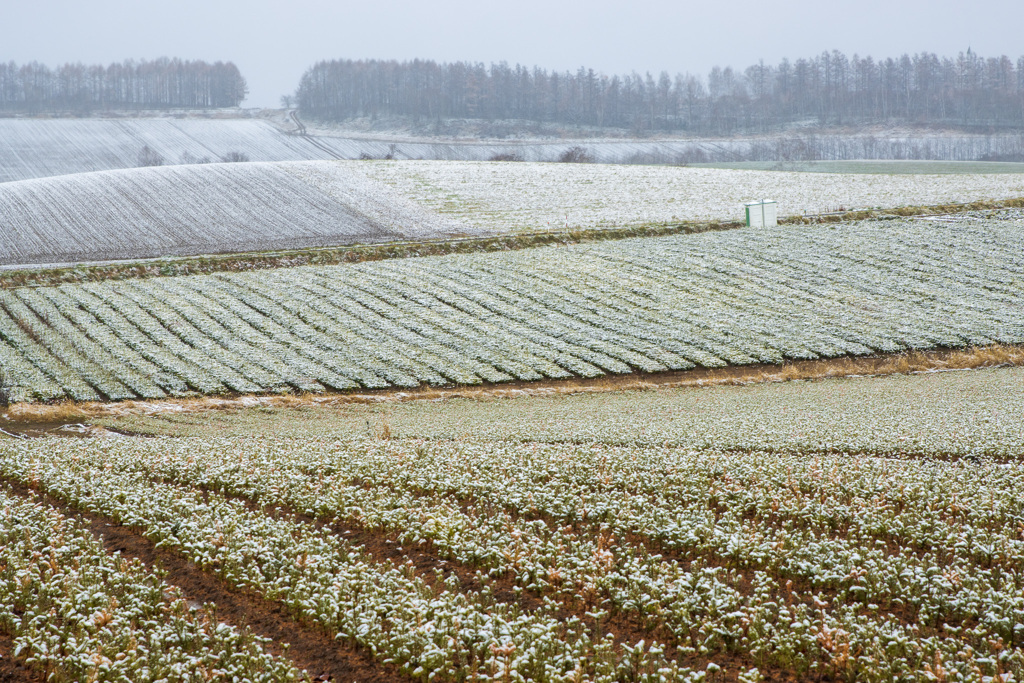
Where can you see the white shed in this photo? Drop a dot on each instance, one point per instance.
(762, 214)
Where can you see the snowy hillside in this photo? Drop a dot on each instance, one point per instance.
(503, 197)
(37, 148)
(209, 208)
(212, 208)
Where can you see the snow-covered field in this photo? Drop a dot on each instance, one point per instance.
(37, 148)
(213, 208)
(650, 304)
(527, 196)
(209, 208)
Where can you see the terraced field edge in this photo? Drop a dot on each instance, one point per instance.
(36, 419)
(323, 256)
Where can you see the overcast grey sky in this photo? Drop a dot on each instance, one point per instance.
(274, 41)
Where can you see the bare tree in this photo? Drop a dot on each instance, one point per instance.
(150, 157)
(576, 155)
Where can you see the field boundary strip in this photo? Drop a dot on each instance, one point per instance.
(36, 418)
(322, 256)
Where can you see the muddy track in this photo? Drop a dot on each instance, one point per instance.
(294, 115)
(311, 649)
(300, 127)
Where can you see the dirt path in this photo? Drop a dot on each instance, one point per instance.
(300, 127)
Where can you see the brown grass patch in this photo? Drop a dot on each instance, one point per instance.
(936, 360)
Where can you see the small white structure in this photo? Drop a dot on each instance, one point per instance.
(762, 214)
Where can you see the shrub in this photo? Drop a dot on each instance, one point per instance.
(150, 157)
(576, 155)
(233, 157)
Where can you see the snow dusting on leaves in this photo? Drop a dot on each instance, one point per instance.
(646, 304)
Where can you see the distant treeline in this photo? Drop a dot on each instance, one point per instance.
(159, 84)
(830, 89)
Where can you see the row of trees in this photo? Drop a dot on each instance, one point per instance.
(158, 84)
(830, 89)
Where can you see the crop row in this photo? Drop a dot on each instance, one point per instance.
(77, 613)
(557, 519)
(746, 562)
(635, 305)
(433, 630)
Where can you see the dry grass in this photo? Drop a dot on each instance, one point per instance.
(889, 364)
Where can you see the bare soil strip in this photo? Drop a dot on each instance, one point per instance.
(34, 418)
(311, 649)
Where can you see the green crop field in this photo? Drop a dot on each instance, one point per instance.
(853, 529)
(947, 415)
(649, 304)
